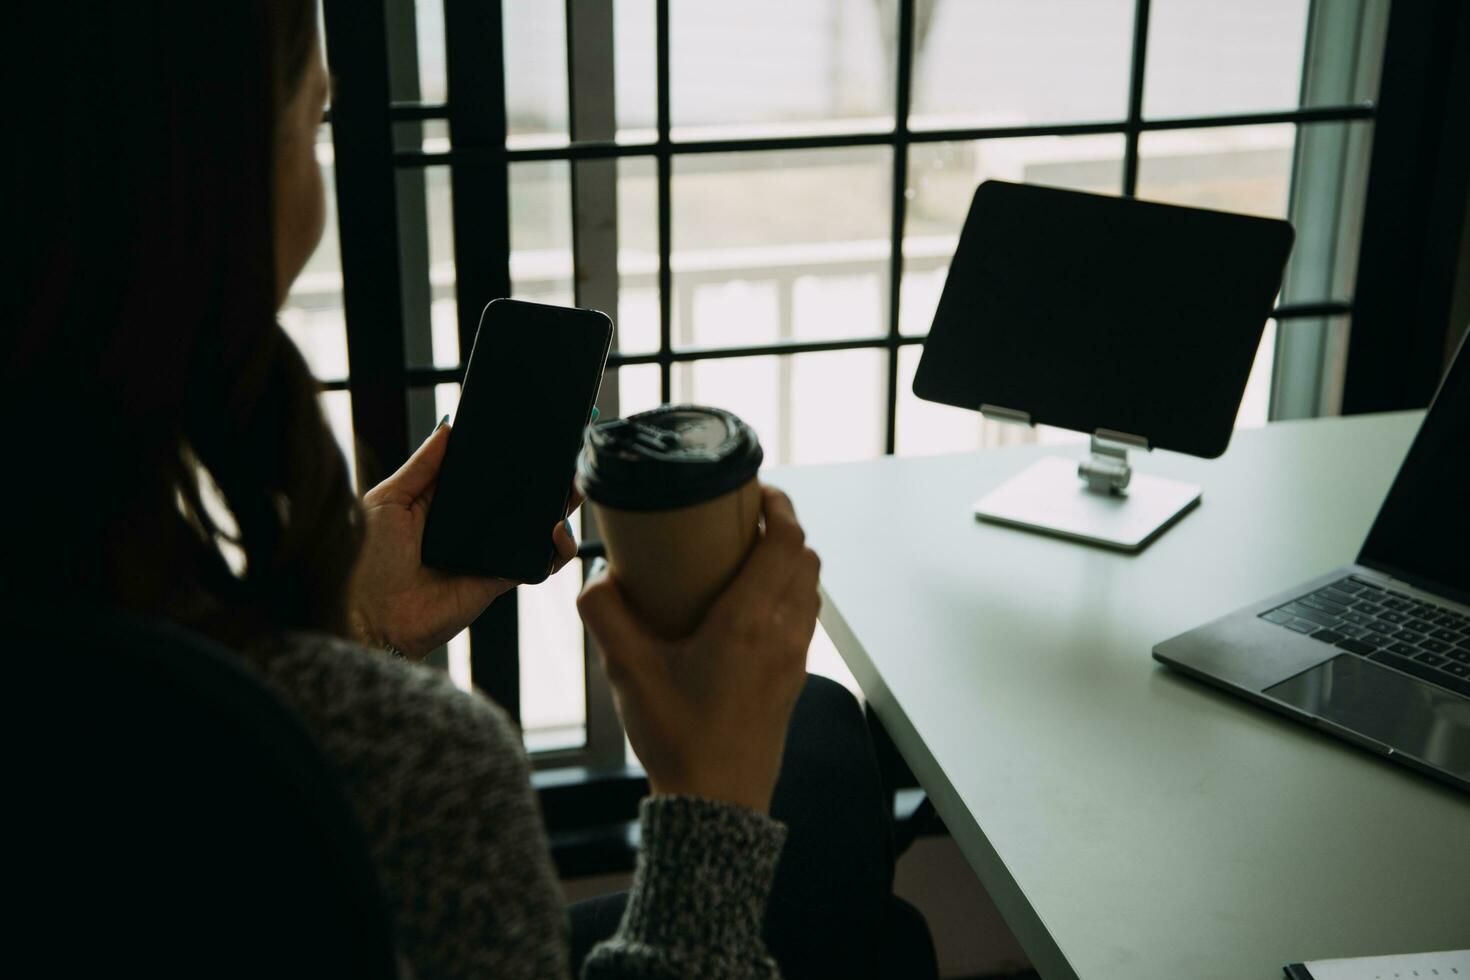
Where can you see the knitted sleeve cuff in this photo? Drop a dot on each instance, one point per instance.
(699, 894)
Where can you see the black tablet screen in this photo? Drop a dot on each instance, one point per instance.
(1091, 312)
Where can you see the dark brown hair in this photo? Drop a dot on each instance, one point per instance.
(144, 352)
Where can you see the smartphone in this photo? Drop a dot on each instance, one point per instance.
(532, 378)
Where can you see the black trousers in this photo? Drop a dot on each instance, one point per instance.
(831, 905)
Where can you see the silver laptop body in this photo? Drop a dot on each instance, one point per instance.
(1377, 652)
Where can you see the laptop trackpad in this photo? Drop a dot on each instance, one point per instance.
(1408, 715)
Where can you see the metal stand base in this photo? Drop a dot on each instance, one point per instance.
(1047, 497)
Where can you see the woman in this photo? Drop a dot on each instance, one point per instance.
(177, 198)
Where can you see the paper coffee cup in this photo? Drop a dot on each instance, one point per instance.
(675, 496)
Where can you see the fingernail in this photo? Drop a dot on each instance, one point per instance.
(595, 413)
(598, 566)
(570, 533)
(442, 423)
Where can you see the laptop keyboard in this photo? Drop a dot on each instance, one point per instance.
(1420, 638)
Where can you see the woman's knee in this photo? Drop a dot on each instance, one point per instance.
(827, 702)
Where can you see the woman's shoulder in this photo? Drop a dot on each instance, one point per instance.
(335, 678)
(369, 708)
(441, 784)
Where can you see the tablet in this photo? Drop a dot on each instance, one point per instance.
(1091, 312)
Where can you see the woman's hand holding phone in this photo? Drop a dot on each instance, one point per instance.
(397, 600)
(707, 715)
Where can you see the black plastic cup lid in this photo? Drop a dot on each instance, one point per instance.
(674, 456)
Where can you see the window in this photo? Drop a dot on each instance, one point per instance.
(767, 195)
(312, 314)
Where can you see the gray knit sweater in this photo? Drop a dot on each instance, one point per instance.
(441, 786)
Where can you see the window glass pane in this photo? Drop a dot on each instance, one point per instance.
(443, 310)
(1255, 404)
(446, 400)
(926, 428)
(837, 405)
(553, 705)
(1020, 62)
(760, 239)
(1207, 57)
(429, 20)
(337, 407)
(541, 232)
(943, 177)
(312, 313)
(771, 66)
(635, 70)
(637, 319)
(806, 408)
(1246, 169)
(535, 73)
(459, 661)
(415, 74)
(638, 389)
(425, 219)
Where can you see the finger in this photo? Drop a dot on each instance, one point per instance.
(772, 561)
(565, 543)
(416, 477)
(777, 506)
(803, 598)
(624, 642)
(808, 575)
(575, 500)
(802, 593)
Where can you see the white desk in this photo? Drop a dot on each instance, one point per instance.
(1129, 822)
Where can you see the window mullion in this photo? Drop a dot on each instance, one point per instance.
(357, 44)
(480, 186)
(592, 115)
(413, 213)
(1132, 126)
(902, 96)
(665, 176)
(413, 230)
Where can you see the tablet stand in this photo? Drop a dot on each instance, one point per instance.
(1105, 469)
(1085, 311)
(1111, 506)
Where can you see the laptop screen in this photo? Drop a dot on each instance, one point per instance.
(1422, 532)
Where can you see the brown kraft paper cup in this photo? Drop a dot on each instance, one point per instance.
(676, 499)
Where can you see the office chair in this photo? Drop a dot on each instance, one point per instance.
(175, 818)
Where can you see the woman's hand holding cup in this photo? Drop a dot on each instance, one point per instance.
(707, 714)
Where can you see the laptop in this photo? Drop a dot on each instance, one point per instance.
(1377, 652)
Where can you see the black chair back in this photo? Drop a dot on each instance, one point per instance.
(179, 819)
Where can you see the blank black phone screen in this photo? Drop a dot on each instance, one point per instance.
(528, 392)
